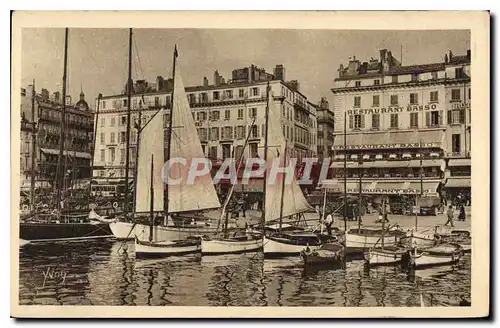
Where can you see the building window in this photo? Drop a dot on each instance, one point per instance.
(122, 137)
(414, 98)
(122, 155)
(103, 104)
(241, 93)
(240, 113)
(255, 131)
(414, 77)
(394, 100)
(229, 94)
(394, 121)
(103, 122)
(157, 101)
(357, 101)
(123, 120)
(103, 138)
(434, 119)
(376, 82)
(414, 120)
(112, 139)
(469, 94)
(124, 102)
(227, 114)
(357, 121)
(434, 75)
(376, 101)
(255, 91)
(253, 150)
(375, 121)
(456, 116)
(113, 121)
(213, 152)
(455, 95)
(102, 155)
(112, 154)
(214, 134)
(459, 72)
(227, 132)
(394, 79)
(226, 151)
(358, 83)
(455, 143)
(253, 112)
(434, 96)
(240, 132)
(202, 133)
(214, 115)
(216, 95)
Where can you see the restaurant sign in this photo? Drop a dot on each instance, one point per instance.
(382, 191)
(392, 109)
(391, 146)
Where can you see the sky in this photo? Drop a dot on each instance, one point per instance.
(98, 58)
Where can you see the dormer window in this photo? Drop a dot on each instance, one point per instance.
(358, 83)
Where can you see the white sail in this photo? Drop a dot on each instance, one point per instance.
(186, 144)
(151, 143)
(294, 201)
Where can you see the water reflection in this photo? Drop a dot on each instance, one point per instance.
(106, 272)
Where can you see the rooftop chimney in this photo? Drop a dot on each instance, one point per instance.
(205, 82)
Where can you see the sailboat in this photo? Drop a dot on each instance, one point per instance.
(236, 243)
(182, 197)
(283, 201)
(58, 223)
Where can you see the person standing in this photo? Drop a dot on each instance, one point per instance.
(461, 215)
(449, 214)
(329, 223)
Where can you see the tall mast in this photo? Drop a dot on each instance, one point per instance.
(345, 173)
(360, 192)
(93, 145)
(33, 149)
(59, 171)
(127, 147)
(263, 215)
(136, 161)
(282, 190)
(169, 133)
(417, 199)
(151, 214)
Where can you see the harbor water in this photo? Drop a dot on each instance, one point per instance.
(105, 272)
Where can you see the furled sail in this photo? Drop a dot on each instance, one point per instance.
(185, 144)
(294, 201)
(151, 143)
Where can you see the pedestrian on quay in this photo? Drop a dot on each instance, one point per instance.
(461, 215)
(329, 223)
(449, 214)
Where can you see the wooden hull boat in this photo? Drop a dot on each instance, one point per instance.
(432, 256)
(331, 254)
(128, 231)
(419, 239)
(23, 242)
(359, 241)
(386, 256)
(146, 249)
(218, 246)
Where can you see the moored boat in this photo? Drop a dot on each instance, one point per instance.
(360, 240)
(23, 242)
(232, 245)
(437, 255)
(384, 256)
(330, 254)
(146, 249)
(128, 230)
(419, 239)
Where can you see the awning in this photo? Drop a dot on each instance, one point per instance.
(427, 187)
(337, 186)
(458, 182)
(390, 164)
(459, 162)
(426, 163)
(66, 153)
(391, 139)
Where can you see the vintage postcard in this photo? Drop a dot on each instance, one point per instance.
(250, 164)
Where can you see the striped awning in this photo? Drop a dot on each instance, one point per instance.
(390, 164)
(459, 162)
(66, 153)
(384, 187)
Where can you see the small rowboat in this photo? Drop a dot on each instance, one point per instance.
(419, 239)
(146, 249)
(437, 255)
(384, 256)
(328, 254)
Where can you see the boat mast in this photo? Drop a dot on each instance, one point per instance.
(169, 132)
(151, 203)
(33, 149)
(263, 217)
(360, 192)
(324, 210)
(383, 221)
(93, 146)
(345, 173)
(417, 198)
(136, 161)
(283, 190)
(127, 146)
(57, 182)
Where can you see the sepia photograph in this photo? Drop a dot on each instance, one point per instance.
(190, 163)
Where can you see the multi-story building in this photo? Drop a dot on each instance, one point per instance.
(397, 119)
(223, 114)
(326, 127)
(47, 128)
